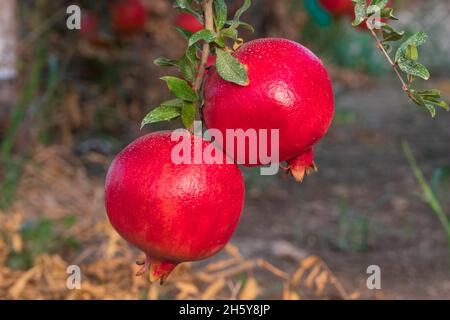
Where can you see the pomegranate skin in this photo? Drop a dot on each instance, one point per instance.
(289, 90)
(188, 22)
(128, 16)
(172, 212)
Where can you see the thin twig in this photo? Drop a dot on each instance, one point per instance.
(389, 59)
(209, 24)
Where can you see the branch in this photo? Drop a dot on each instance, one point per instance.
(209, 24)
(388, 57)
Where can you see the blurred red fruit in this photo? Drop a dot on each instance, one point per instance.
(89, 26)
(129, 16)
(188, 22)
(338, 7)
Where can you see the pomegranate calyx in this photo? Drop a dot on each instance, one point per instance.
(302, 165)
(158, 270)
(161, 270)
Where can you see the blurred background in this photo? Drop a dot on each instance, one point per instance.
(71, 99)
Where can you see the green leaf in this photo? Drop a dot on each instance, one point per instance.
(185, 33)
(180, 88)
(388, 13)
(220, 41)
(247, 4)
(237, 16)
(429, 99)
(161, 113)
(173, 103)
(230, 69)
(412, 53)
(380, 4)
(165, 62)
(188, 115)
(202, 35)
(434, 97)
(221, 10)
(414, 68)
(231, 33)
(417, 40)
(360, 12)
(390, 34)
(188, 64)
(431, 109)
(246, 26)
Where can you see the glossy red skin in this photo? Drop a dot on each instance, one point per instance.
(188, 22)
(289, 90)
(129, 16)
(338, 7)
(173, 213)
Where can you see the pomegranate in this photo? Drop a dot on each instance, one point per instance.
(188, 22)
(128, 16)
(289, 89)
(338, 7)
(172, 212)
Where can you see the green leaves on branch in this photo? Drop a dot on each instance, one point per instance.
(224, 36)
(203, 35)
(220, 7)
(430, 99)
(390, 34)
(360, 12)
(188, 114)
(180, 88)
(411, 43)
(166, 111)
(407, 55)
(182, 106)
(171, 110)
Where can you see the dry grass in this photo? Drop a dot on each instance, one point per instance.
(56, 185)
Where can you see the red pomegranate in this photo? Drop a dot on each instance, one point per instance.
(338, 7)
(188, 22)
(289, 89)
(172, 212)
(128, 16)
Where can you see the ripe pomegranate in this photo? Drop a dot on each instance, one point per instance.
(289, 89)
(338, 7)
(188, 22)
(172, 212)
(128, 16)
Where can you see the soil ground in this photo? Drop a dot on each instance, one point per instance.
(362, 208)
(363, 179)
